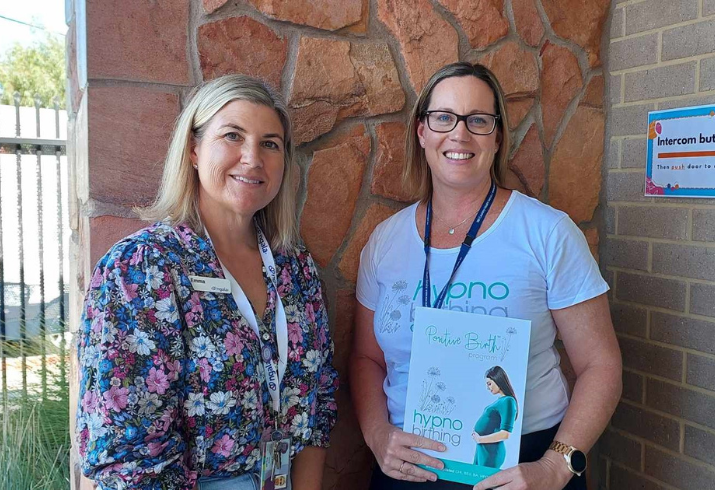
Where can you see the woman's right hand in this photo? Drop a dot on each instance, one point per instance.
(393, 450)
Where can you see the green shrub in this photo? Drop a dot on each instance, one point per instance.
(35, 439)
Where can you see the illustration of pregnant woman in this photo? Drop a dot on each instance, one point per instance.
(497, 422)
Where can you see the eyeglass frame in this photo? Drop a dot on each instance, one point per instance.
(460, 117)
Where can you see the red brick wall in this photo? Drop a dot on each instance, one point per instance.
(350, 71)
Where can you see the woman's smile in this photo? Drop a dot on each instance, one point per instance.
(459, 158)
(240, 159)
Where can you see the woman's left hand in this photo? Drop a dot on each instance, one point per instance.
(544, 474)
(476, 437)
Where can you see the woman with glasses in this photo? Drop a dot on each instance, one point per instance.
(526, 261)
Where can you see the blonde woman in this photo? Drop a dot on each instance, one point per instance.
(205, 333)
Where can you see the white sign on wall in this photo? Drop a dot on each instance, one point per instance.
(681, 153)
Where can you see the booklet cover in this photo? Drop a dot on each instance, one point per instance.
(466, 389)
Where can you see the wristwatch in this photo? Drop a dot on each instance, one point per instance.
(575, 459)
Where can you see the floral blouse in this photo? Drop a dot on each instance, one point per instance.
(172, 385)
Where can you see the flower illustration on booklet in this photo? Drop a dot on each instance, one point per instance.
(433, 397)
(466, 390)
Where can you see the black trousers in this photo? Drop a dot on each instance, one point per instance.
(533, 447)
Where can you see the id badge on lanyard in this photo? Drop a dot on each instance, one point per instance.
(463, 250)
(275, 453)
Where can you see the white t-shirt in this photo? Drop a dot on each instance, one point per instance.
(531, 260)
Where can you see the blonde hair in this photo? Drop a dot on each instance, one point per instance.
(416, 176)
(177, 199)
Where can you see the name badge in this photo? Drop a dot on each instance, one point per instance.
(210, 284)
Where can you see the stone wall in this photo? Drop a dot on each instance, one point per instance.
(350, 71)
(659, 255)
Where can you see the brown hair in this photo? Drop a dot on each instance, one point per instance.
(417, 177)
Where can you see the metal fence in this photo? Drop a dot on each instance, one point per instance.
(34, 232)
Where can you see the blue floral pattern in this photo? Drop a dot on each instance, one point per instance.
(172, 387)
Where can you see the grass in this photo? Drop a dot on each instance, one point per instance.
(34, 433)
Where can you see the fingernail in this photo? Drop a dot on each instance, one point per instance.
(433, 478)
(443, 448)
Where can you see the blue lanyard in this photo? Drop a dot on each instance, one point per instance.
(463, 251)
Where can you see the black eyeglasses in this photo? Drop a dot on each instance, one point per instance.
(445, 121)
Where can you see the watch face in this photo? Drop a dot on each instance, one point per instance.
(578, 461)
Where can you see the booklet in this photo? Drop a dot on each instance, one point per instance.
(466, 389)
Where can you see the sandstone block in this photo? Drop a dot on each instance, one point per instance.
(376, 214)
(575, 172)
(105, 231)
(580, 21)
(594, 92)
(211, 6)
(512, 181)
(334, 180)
(349, 461)
(241, 45)
(129, 131)
(390, 162)
(482, 21)
(138, 40)
(528, 162)
(515, 69)
(338, 79)
(528, 23)
(560, 82)
(517, 107)
(427, 41)
(323, 14)
(343, 331)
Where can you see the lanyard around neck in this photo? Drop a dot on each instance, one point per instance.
(274, 368)
(463, 250)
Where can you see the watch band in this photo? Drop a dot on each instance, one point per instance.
(575, 459)
(560, 447)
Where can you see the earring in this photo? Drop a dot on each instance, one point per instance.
(196, 167)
